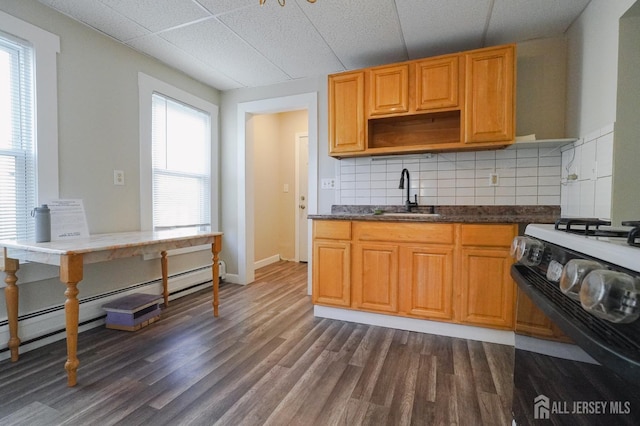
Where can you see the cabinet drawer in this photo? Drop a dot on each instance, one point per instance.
(488, 235)
(440, 233)
(332, 229)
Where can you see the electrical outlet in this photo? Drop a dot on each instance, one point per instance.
(118, 177)
(494, 179)
(328, 183)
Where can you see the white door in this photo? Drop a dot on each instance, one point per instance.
(302, 196)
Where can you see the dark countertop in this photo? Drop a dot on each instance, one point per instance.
(446, 214)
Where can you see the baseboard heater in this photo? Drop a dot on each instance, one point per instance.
(95, 315)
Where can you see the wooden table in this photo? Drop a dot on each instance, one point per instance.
(71, 255)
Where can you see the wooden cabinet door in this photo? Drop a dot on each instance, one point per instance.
(347, 129)
(531, 321)
(375, 277)
(426, 277)
(490, 94)
(486, 287)
(331, 278)
(437, 83)
(389, 90)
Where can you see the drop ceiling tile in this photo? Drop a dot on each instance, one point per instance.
(435, 27)
(220, 48)
(222, 6)
(285, 37)
(164, 51)
(362, 33)
(520, 20)
(156, 15)
(98, 16)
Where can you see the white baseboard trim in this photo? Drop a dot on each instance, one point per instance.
(267, 261)
(418, 325)
(42, 329)
(233, 278)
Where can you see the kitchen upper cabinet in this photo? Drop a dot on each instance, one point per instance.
(331, 274)
(388, 90)
(426, 274)
(455, 102)
(486, 290)
(489, 95)
(437, 83)
(347, 127)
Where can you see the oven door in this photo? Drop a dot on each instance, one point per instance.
(555, 380)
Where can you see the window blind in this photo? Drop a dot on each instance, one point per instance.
(181, 166)
(17, 146)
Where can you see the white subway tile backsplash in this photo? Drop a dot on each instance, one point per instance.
(485, 164)
(549, 190)
(455, 178)
(505, 201)
(526, 190)
(506, 163)
(604, 155)
(489, 191)
(527, 162)
(526, 171)
(485, 201)
(590, 160)
(505, 154)
(526, 200)
(602, 201)
(548, 180)
(587, 198)
(553, 200)
(527, 152)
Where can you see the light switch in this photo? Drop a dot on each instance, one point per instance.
(286, 187)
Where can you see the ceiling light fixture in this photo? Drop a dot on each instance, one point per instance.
(282, 2)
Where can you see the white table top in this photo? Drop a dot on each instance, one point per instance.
(103, 247)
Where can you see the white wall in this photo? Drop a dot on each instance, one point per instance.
(230, 177)
(98, 132)
(592, 85)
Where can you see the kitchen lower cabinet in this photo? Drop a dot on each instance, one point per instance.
(486, 290)
(331, 274)
(447, 272)
(426, 274)
(531, 321)
(375, 277)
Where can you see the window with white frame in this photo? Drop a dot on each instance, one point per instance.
(17, 154)
(178, 157)
(28, 124)
(181, 140)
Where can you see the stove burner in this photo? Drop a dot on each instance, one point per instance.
(634, 235)
(591, 227)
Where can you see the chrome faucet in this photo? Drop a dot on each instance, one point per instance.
(408, 204)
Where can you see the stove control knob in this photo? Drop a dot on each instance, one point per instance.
(611, 295)
(527, 251)
(573, 273)
(554, 271)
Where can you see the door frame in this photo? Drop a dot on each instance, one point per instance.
(299, 135)
(246, 232)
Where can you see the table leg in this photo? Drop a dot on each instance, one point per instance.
(215, 249)
(165, 280)
(11, 266)
(71, 274)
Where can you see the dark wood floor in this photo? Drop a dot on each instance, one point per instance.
(265, 360)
